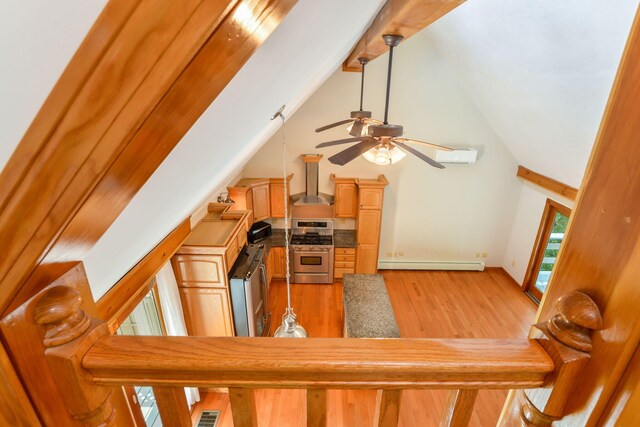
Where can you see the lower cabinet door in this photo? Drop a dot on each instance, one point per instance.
(207, 312)
(279, 260)
(367, 259)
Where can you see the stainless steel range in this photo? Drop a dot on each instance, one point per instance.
(311, 250)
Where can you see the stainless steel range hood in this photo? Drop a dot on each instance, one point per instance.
(312, 196)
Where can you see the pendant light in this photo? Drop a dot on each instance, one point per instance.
(289, 328)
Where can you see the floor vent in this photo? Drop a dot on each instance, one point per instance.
(208, 419)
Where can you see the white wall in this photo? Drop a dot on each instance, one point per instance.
(429, 214)
(525, 228)
(37, 41)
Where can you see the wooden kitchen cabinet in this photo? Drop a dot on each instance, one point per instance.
(346, 201)
(345, 197)
(199, 270)
(369, 226)
(344, 262)
(369, 221)
(207, 311)
(263, 196)
(261, 202)
(202, 265)
(367, 259)
(276, 194)
(278, 262)
(242, 200)
(371, 198)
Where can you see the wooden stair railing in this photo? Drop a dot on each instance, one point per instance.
(82, 353)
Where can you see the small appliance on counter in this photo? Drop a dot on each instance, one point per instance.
(259, 231)
(250, 293)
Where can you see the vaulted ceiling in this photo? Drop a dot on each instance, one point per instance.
(540, 72)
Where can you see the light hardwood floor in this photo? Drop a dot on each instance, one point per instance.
(427, 304)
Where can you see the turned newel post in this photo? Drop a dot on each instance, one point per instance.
(69, 334)
(567, 339)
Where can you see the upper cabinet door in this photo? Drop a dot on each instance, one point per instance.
(276, 194)
(371, 198)
(261, 202)
(346, 201)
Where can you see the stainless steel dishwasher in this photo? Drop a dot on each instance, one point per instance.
(250, 293)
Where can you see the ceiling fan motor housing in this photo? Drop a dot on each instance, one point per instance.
(361, 114)
(391, 131)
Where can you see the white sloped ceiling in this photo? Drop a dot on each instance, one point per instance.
(540, 71)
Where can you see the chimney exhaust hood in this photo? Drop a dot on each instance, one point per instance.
(312, 196)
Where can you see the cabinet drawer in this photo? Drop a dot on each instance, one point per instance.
(199, 270)
(345, 264)
(338, 273)
(345, 251)
(345, 257)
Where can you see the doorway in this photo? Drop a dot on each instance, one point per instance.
(550, 236)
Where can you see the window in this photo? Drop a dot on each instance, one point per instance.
(545, 251)
(145, 319)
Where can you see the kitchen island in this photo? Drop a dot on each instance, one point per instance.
(367, 309)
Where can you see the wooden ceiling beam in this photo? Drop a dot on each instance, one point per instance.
(139, 81)
(401, 17)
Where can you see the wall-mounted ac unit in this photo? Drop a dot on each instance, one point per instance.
(458, 155)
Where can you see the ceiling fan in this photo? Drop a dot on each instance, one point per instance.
(359, 119)
(384, 143)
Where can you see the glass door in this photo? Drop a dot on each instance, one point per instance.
(550, 236)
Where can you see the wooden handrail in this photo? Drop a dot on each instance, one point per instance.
(91, 363)
(318, 362)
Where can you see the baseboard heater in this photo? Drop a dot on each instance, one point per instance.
(430, 265)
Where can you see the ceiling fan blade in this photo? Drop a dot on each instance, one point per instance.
(340, 141)
(419, 154)
(356, 129)
(434, 146)
(332, 125)
(345, 156)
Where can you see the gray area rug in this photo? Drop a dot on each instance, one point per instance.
(367, 308)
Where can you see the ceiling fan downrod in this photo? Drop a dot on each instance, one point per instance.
(363, 62)
(392, 41)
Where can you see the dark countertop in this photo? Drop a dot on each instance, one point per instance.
(276, 240)
(344, 239)
(367, 309)
(341, 239)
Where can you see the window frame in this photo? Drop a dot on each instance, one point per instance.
(537, 254)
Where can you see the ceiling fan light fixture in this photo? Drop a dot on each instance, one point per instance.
(384, 155)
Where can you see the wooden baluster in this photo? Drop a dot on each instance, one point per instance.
(243, 407)
(316, 408)
(70, 332)
(173, 406)
(459, 408)
(387, 408)
(567, 339)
